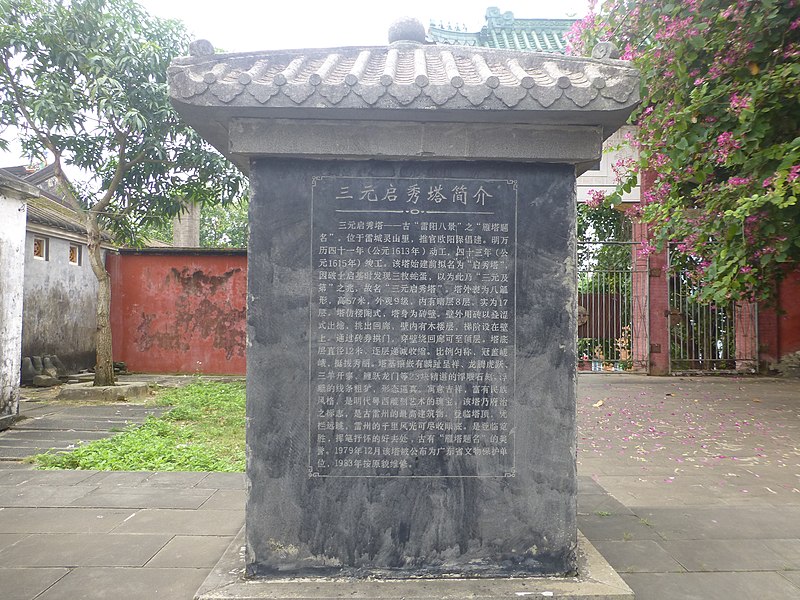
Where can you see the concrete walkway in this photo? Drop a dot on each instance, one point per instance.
(690, 488)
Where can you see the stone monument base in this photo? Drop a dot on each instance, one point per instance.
(596, 580)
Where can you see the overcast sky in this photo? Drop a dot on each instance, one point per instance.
(247, 25)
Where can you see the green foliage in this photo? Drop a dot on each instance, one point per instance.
(85, 81)
(204, 431)
(719, 129)
(221, 226)
(604, 223)
(224, 226)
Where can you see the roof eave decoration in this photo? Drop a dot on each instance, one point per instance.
(403, 81)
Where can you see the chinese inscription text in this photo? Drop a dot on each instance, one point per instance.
(412, 327)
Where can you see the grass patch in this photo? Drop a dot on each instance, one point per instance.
(204, 431)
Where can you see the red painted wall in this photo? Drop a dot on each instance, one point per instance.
(789, 315)
(779, 327)
(179, 310)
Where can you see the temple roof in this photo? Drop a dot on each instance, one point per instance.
(504, 31)
(46, 211)
(404, 76)
(408, 81)
(44, 207)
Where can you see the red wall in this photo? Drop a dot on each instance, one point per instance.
(789, 315)
(779, 327)
(179, 311)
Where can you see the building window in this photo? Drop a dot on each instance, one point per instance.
(75, 254)
(41, 248)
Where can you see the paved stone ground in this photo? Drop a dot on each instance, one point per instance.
(72, 535)
(52, 425)
(690, 488)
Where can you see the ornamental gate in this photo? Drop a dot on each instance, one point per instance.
(707, 338)
(613, 307)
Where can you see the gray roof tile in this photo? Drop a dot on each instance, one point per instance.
(404, 75)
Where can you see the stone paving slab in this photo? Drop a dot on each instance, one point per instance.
(183, 522)
(103, 583)
(599, 504)
(638, 556)
(599, 527)
(83, 550)
(224, 481)
(788, 549)
(42, 438)
(41, 495)
(29, 476)
(7, 539)
(711, 466)
(27, 583)
(112, 479)
(57, 423)
(7, 465)
(173, 480)
(114, 411)
(656, 498)
(23, 453)
(61, 520)
(195, 551)
(711, 586)
(725, 555)
(142, 497)
(56, 426)
(792, 577)
(225, 500)
(723, 522)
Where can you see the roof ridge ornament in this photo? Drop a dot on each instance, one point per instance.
(201, 48)
(407, 30)
(605, 51)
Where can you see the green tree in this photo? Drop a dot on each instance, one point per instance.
(719, 128)
(85, 82)
(221, 226)
(224, 226)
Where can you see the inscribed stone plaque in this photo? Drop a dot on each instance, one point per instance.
(411, 369)
(412, 334)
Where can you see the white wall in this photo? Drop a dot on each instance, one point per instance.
(614, 148)
(12, 268)
(60, 308)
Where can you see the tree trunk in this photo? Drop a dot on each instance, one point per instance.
(104, 368)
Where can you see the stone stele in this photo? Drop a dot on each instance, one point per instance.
(412, 301)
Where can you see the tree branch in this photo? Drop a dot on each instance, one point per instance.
(119, 173)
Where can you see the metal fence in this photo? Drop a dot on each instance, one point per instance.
(612, 308)
(707, 337)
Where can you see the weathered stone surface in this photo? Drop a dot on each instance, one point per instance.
(596, 580)
(14, 194)
(48, 368)
(111, 393)
(62, 370)
(500, 515)
(406, 140)
(411, 304)
(45, 381)
(28, 372)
